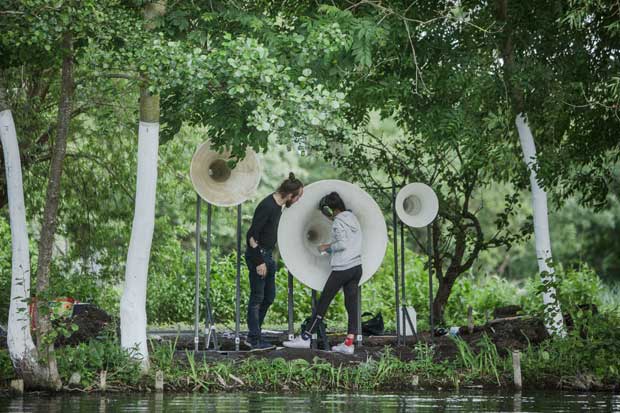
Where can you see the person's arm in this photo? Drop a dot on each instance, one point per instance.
(340, 237)
(261, 216)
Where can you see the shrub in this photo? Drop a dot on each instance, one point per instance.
(90, 358)
(575, 286)
(6, 366)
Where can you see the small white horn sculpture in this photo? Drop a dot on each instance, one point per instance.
(217, 183)
(417, 205)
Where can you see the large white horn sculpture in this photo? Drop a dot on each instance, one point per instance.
(303, 227)
(217, 183)
(417, 205)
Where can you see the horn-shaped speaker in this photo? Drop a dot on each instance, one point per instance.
(417, 205)
(303, 228)
(217, 183)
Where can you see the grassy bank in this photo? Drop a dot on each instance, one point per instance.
(584, 360)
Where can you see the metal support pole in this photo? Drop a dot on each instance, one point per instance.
(209, 321)
(403, 303)
(359, 316)
(314, 335)
(429, 249)
(197, 279)
(238, 286)
(291, 326)
(395, 245)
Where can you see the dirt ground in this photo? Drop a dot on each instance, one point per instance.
(508, 334)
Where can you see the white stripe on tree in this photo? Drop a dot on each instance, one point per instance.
(21, 346)
(554, 321)
(133, 301)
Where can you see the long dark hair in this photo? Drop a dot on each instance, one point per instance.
(292, 185)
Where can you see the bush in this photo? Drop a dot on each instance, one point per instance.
(6, 366)
(90, 358)
(5, 270)
(483, 293)
(575, 286)
(590, 349)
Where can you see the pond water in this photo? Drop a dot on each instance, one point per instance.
(421, 401)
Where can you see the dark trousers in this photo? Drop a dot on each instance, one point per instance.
(348, 280)
(262, 294)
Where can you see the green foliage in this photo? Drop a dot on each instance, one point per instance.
(483, 294)
(590, 349)
(484, 363)
(90, 358)
(5, 269)
(574, 287)
(6, 366)
(273, 375)
(162, 356)
(378, 293)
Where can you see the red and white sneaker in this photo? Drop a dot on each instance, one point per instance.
(344, 349)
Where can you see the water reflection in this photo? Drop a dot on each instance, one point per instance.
(422, 401)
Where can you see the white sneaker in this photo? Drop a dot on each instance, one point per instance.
(297, 342)
(344, 349)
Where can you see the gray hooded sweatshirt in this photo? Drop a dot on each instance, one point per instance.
(346, 247)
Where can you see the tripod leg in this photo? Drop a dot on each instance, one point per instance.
(430, 281)
(197, 278)
(402, 282)
(359, 316)
(238, 290)
(396, 281)
(291, 321)
(212, 332)
(406, 315)
(314, 335)
(209, 323)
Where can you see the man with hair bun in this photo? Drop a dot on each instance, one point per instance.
(260, 242)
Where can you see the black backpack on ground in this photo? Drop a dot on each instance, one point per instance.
(373, 326)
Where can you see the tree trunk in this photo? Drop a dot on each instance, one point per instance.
(45, 343)
(133, 301)
(553, 315)
(441, 297)
(22, 350)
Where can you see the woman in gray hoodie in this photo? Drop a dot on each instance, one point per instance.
(346, 264)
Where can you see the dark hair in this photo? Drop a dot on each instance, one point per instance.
(291, 185)
(331, 202)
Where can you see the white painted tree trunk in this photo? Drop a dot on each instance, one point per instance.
(553, 321)
(133, 301)
(21, 346)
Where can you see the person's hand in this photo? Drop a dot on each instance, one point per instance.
(253, 242)
(262, 270)
(324, 247)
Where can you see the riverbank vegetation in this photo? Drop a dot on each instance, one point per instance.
(554, 365)
(583, 360)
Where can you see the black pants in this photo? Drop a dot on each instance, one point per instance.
(348, 280)
(262, 294)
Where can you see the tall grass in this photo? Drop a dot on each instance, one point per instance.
(484, 364)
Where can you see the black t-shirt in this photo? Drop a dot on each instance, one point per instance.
(264, 228)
